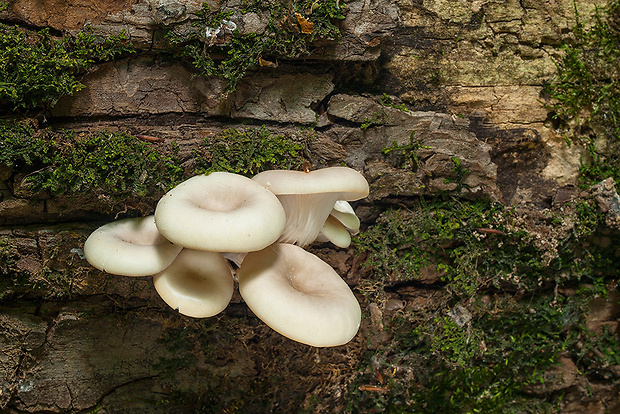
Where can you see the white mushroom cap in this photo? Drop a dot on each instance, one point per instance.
(335, 232)
(346, 215)
(347, 182)
(130, 247)
(197, 284)
(220, 212)
(298, 295)
(338, 227)
(308, 198)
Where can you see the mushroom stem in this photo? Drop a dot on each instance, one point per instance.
(305, 216)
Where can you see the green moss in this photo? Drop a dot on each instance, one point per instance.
(103, 163)
(119, 165)
(290, 34)
(493, 363)
(600, 166)
(37, 69)
(21, 145)
(9, 274)
(501, 324)
(469, 245)
(115, 164)
(406, 155)
(377, 118)
(249, 151)
(473, 246)
(387, 100)
(587, 92)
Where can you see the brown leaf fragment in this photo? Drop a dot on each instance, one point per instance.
(266, 63)
(490, 231)
(372, 388)
(305, 24)
(379, 376)
(149, 138)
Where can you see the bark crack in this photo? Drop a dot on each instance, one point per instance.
(98, 405)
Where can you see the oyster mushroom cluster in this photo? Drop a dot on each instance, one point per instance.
(261, 225)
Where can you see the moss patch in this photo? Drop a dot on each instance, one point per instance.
(587, 92)
(249, 151)
(509, 305)
(289, 33)
(37, 69)
(472, 246)
(104, 163)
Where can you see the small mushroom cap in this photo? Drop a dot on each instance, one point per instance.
(220, 212)
(334, 231)
(130, 247)
(349, 183)
(197, 284)
(298, 295)
(346, 215)
(308, 198)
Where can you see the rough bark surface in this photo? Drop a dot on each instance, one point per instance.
(471, 74)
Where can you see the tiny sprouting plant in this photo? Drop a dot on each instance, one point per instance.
(386, 100)
(377, 118)
(460, 172)
(407, 154)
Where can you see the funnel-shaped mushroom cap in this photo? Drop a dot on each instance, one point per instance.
(350, 184)
(197, 283)
(308, 198)
(299, 296)
(130, 247)
(220, 212)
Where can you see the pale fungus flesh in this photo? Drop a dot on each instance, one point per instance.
(221, 212)
(309, 197)
(130, 247)
(335, 232)
(299, 296)
(197, 284)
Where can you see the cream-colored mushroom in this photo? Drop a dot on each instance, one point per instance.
(335, 232)
(298, 295)
(308, 198)
(345, 214)
(220, 212)
(342, 221)
(197, 284)
(130, 247)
